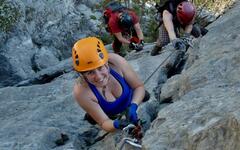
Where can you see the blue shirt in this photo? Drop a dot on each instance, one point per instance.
(121, 103)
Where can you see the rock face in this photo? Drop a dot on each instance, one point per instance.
(205, 112)
(41, 114)
(31, 28)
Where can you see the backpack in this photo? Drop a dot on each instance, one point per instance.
(110, 8)
(160, 6)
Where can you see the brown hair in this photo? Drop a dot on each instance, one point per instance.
(80, 79)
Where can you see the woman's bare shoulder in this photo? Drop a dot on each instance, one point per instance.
(81, 92)
(113, 56)
(78, 89)
(116, 60)
(79, 85)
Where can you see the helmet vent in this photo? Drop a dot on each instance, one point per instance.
(98, 50)
(77, 62)
(101, 55)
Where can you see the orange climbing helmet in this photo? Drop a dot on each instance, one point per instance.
(88, 54)
(185, 12)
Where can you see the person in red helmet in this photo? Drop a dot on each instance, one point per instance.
(185, 13)
(175, 14)
(124, 25)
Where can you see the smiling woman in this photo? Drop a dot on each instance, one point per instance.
(109, 87)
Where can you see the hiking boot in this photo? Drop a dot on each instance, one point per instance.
(204, 31)
(123, 53)
(197, 31)
(156, 50)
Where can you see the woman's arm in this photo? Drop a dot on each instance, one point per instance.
(168, 24)
(130, 76)
(83, 98)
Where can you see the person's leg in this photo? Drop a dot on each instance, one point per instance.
(169, 25)
(116, 45)
(163, 39)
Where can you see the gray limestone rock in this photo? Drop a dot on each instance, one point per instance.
(205, 109)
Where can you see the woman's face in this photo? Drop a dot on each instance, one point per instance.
(98, 77)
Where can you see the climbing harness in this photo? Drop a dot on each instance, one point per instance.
(132, 142)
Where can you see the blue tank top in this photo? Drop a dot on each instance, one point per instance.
(121, 103)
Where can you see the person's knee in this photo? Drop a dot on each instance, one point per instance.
(196, 32)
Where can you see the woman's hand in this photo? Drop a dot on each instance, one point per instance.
(120, 124)
(132, 113)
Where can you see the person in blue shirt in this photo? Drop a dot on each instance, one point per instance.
(107, 87)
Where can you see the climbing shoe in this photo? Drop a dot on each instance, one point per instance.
(204, 31)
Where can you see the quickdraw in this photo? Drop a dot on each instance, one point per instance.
(187, 41)
(132, 142)
(132, 135)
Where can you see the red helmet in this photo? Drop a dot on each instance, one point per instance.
(185, 12)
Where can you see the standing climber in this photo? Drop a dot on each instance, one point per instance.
(124, 25)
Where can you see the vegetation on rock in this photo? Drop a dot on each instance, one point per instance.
(9, 15)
